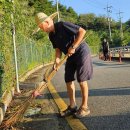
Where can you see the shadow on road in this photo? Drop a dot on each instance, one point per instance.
(108, 64)
(46, 121)
(110, 122)
(110, 91)
(101, 92)
(122, 66)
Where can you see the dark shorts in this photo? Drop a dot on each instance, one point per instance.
(80, 64)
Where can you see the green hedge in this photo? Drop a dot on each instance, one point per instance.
(29, 52)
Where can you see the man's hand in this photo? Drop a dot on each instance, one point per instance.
(55, 65)
(36, 93)
(71, 51)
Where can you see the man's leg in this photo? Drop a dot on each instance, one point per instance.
(72, 108)
(84, 92)
(84, 73)
(107, 55)
(70, 69)
(83, 110)
(71, 93)
(104, 55)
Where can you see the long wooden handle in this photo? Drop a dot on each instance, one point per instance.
(43, 84)
(59, 65)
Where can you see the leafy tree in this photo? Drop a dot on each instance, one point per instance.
(126, 39)
(101, 23)
(87, 20)
(127, 26)
(68, 14)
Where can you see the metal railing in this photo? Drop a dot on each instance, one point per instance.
(31, 55)
(123, 51)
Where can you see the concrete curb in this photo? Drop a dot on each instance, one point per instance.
(27, 74)
(8, 95)
(23, 77)
(6, 99)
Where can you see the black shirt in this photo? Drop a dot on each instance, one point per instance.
(105, 46)
(64, 35)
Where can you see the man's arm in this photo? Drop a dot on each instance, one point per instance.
(77, 41)
(58, 55)
(79, 38)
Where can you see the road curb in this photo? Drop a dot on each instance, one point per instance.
(8, 95)
(27, 74)
(6, 99)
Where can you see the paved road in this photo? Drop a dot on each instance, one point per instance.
(109, 95)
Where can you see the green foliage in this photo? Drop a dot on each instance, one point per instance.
(6, 46)
(93, 38)
(126, 38)
(116, 39)
(101, 23)
(67, 14)
(87, 20)
(23, 15)
(44, 6)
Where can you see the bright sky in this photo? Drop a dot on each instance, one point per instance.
(97, 7)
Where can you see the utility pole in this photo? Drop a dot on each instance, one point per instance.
(57, 5)
(120, 20)
(15, 52)
(108, 8)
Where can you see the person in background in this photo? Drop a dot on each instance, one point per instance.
(67, 38)
(105, 47)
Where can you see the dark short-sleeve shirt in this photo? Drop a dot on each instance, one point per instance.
(64, 35)
(80, 61)
(105, 46)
